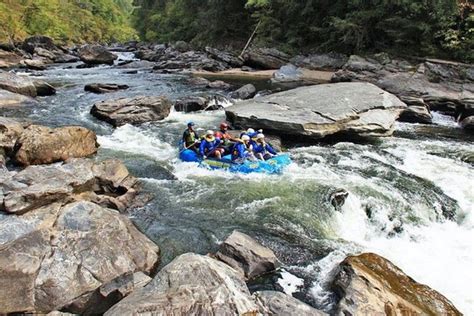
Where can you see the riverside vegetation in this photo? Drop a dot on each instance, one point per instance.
(98, 216)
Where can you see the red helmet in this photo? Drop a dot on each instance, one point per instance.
(224, 126)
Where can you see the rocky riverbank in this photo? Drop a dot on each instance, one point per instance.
(67, 243)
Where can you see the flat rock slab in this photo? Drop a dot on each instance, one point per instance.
(107, 183)
(281, 304)
(371, 285)
(321, 110)
(137, 110)
(17, 84)
(10, 99)
(56, 257)
(42, 145)
(104, 87)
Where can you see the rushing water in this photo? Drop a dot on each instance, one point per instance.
(410, 196)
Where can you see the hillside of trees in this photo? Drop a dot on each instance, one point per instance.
(67, 20)
(442, 28)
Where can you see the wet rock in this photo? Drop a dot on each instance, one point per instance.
(10, 99)
(265, 58)
(107, 183)
(219, 84)
(191, 285)
(43, 145)
(137, 64)
(17, 84)
(338, 198)
(66, 58)
(245, 92)
(416, 112)
(246, 255)
(198, 81)
(330, 61)
(58, 256)
(467, 123)
(96, 54)
(317, 111)
(191, 104)
(280, 304)
(43, 88)
(181, 46)
(226, 57)
(136, 110)
(104, 87)
(371, 285)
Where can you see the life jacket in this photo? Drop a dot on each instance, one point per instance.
(190, 137)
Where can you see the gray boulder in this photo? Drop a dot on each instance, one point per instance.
(43, 88)
(321, 110)
(38, 41)
(288, 73)
(35, 64)
(280, 304)
(247, 256)
(96, 54)
(265, 58)
(229, 58)
(56, 257)
(245, 92)
(330, 61)
(17, 84)
(218, 84)
(136, 110)
(104, 87)
(467, 123)
(191, 104)
(191, 285)
(417, 111)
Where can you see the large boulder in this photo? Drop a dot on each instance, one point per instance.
(318, 111)
(9, 59)
(17, 84)
(56, 257)
(10, 99)
(330, 61)
(417, 111)
(371, 285)
(10, 131)
(246, 255)
(191, 104)
(42, 145)
(191, 285)
(136, 110)
(265, 58)
(229, 58)
(38, 41)
(43, 88)
(96, 54)
(280, 304)
(104, 87)
(245, 92)
(107, 183)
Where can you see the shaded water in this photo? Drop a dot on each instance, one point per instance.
(410, 196)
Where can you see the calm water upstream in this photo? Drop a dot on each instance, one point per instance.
(399, 188)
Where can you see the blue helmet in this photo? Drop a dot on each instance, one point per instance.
(190, 123)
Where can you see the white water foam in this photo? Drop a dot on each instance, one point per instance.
(289, 282)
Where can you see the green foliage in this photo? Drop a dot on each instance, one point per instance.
(67, 20)
(441, 28)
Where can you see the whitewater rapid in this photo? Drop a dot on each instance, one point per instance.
(433, 250)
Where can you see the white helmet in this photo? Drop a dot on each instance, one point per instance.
(250, 131)
(245, 137)
(260, 136)
(210, 132)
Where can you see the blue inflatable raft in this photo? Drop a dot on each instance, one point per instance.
(273, 165)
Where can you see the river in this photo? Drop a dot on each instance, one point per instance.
(401, 191)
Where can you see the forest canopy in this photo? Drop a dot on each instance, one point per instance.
(67, 20)
(443, 28)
